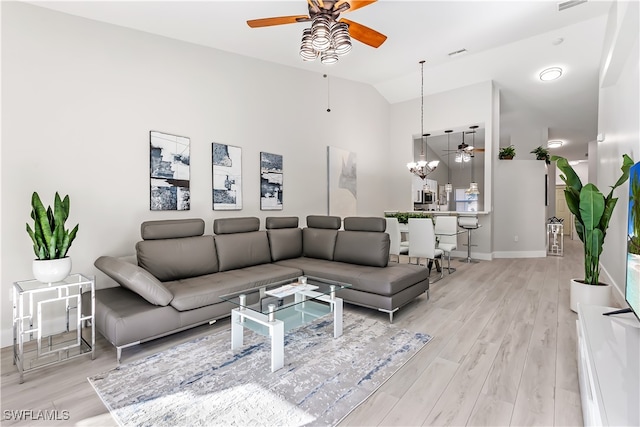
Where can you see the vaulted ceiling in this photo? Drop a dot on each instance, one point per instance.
(508, 42)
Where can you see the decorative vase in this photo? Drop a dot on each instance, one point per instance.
(588, 294)
(51, 270)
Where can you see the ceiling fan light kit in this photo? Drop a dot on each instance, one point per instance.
(325, 38)
(329, 36)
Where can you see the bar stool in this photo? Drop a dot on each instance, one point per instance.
(468, 223)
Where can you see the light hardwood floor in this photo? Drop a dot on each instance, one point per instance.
(502, 353)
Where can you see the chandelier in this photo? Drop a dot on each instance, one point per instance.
(326, 39)
(422, 167)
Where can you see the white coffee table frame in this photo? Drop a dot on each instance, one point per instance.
(276, 327)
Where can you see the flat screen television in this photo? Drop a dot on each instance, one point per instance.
(632, 288)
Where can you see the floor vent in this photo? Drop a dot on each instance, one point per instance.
(570, 3)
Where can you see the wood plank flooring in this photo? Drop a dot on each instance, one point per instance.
(503, 353)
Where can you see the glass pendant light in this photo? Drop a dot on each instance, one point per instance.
(448, 188)
(473, 186)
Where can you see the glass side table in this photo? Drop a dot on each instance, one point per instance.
(49, 322)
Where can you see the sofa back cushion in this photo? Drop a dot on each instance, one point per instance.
(273, 222)
(365, 223)
(171, 228)
(239, 250)
(285, 238)
(363, 242)
(319, 237)
(180, 258)
(236, 225)
(324, 221)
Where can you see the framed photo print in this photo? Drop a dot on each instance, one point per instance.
(270, 182)
(169, 172)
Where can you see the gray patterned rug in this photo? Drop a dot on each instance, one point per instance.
(203, 382)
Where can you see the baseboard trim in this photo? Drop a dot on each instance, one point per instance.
(520, 254)
(618, 293)
(474, 255)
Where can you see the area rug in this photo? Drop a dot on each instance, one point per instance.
(202, 382)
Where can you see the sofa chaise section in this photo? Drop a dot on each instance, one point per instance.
(358, 255)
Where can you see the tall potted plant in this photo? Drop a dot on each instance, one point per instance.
(592, 211)
(51, 240)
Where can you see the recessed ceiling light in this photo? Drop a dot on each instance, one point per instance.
(555, 143)
(574, 162)
(550, 74)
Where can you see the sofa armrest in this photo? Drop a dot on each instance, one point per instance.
(136, 279)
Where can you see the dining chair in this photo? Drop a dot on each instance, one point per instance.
(422, 242)
(396, 247)
(446, 230)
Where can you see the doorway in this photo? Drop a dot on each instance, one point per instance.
(563, 212)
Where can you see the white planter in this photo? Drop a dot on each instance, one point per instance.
(588, 294)
(51, 270)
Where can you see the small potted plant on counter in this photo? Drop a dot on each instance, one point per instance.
(542, 154)
(507, 153)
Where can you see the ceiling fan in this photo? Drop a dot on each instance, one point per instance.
(329, 35)
(465, 152)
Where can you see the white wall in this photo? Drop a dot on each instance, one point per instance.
(519, 192)
(80, 97)
(446, 110)
(619, 121)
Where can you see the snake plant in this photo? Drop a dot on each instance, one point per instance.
(592, 213)
(50, 239)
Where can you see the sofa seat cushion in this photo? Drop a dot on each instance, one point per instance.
(378, 280)
(123, 317)
(205, 290)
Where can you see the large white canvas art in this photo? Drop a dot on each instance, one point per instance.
(226, 176)
(343, 194)
(169, 172)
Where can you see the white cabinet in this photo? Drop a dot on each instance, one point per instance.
(609, 367)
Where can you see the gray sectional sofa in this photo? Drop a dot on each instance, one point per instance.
(180, 273)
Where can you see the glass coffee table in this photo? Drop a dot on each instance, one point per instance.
(273, 309)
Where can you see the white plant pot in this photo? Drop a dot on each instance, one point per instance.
(588, 294)
(51, 270)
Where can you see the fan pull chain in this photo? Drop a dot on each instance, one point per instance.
(328, 92)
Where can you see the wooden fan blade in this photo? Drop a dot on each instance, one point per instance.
(280, 20)
(313, 6)
(364, 34)
(478, 149)
(354, 4)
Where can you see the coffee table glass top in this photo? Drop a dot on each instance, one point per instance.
(284, 294)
